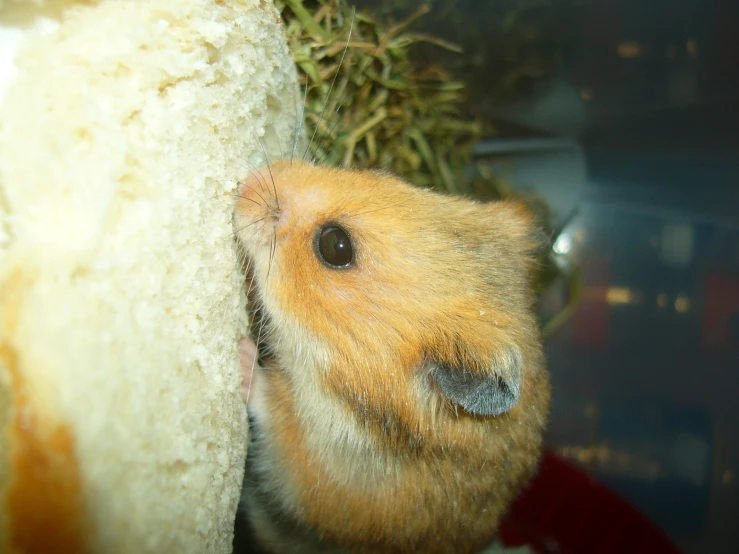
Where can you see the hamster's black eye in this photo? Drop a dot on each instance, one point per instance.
(335, 247)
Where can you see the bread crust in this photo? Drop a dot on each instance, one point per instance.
(41, 499)
(121, 302)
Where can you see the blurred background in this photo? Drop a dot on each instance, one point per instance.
(624, 116)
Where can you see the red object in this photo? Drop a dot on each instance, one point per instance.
(566, 511)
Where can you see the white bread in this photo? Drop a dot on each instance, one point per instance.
(122, 127)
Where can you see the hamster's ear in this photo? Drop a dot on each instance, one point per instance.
(491, 389)
(517, 222)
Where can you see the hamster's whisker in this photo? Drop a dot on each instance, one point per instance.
(252, 279)
(326, 135)
(255, 231)
(261, 179)
(245, 263)
(273, 247)
(228, 183)
(249, 263)
(328, 94)
(237, 231)
(300, 124)
(269, 168)
(254, 363)
(244, 197)
(264, 202)
(342, 98)
(328, 131)
(299, 117)
(274, 240)
(279, 141)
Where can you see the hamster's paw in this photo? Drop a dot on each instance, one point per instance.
(249, 365)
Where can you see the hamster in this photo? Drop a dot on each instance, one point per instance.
(401, 392)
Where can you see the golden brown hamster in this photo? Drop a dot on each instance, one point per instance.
(402, 393)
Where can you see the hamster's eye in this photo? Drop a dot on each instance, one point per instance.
(335, 247)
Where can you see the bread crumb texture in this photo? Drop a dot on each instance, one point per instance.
(123, 128)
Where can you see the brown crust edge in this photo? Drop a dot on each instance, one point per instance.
(40, 483)
(6, 414)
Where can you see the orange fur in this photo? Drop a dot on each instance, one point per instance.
(355, 444)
